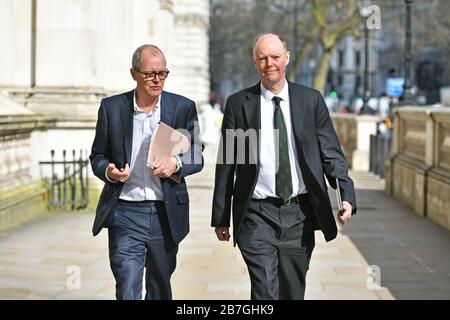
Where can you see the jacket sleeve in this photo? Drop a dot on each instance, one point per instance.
(333, 160)
(192, 161)
(100, 152)
(225, 168)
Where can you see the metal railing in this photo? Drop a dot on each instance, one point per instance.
(69, 183)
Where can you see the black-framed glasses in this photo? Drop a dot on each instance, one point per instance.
(151, 75)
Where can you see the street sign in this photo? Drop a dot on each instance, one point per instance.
(394, 86)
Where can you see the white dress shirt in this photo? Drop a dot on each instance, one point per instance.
(142, 183)
(265, 186)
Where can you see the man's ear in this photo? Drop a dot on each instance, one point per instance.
(133, 74)
(255, 63)
(288, 57)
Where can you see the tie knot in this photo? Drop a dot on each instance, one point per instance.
(277, 101)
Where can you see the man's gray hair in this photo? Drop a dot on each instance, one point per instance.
(136, 61)
(282, 39)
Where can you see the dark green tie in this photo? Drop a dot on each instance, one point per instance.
(283, 179)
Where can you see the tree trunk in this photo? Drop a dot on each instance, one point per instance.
(298, 60)
(320, 77)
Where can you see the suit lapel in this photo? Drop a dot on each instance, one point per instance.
(167, 109)
(297, 114)
(252, 108)
(252, 117)
(127, 123)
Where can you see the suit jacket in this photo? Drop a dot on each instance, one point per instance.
(318, 152)
(113, 143)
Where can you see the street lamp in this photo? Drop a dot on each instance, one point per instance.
(365, 13)
(407, 97)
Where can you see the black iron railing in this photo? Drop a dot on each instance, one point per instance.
(69, 183)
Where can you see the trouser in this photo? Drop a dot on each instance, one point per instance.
(139, 236)
(276, 242)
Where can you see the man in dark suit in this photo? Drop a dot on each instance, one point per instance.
(277, 146)
(145, 211)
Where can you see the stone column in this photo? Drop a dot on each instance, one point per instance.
(15, 37)
(165, 29)
(411, 157)
(438, 178)
(345, 126)
(190, 43)
(365, 126)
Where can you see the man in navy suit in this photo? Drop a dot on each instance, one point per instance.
(145, 211)
(275, 184)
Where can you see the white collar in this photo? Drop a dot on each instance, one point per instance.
(137, 109)
(268, 95)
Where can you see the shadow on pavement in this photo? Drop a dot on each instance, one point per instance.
(411, 252)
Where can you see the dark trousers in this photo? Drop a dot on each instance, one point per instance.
(276, 242)
(139, 236)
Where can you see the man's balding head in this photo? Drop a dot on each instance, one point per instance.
(149, 49)
(271, 58)
(269, 36)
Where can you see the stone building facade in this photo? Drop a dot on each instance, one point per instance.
(59, 58)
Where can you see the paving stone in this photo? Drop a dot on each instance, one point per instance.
(345, 286)
(196, 252)
(421, 295)
(411, 251)
(67, 262)
(335, 263)
(350, 270)
(227, 287)
(14, 293)
(5, 264)
(408, 285)
(340, 294)
(35, 267)
(384, 294)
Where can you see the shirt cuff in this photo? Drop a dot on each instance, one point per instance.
(108, 178)
(179, 163)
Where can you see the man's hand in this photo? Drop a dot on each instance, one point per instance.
(222, 233)
(165, 167)
(121, 175)
(346, 212)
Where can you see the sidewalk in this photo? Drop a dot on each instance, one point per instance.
(410, 252)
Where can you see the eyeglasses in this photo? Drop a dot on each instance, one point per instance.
(151, 75)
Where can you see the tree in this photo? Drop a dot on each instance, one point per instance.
(233, 26)
(335, 20)
(430, 29)
(305, 23)
(297, 27)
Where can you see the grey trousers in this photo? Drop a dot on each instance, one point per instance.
(276, 243)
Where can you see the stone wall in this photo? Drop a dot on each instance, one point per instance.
(418, 171)
(84, 47)
(354, 136)
(22, 197)
(26, 138)
(62, 58)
